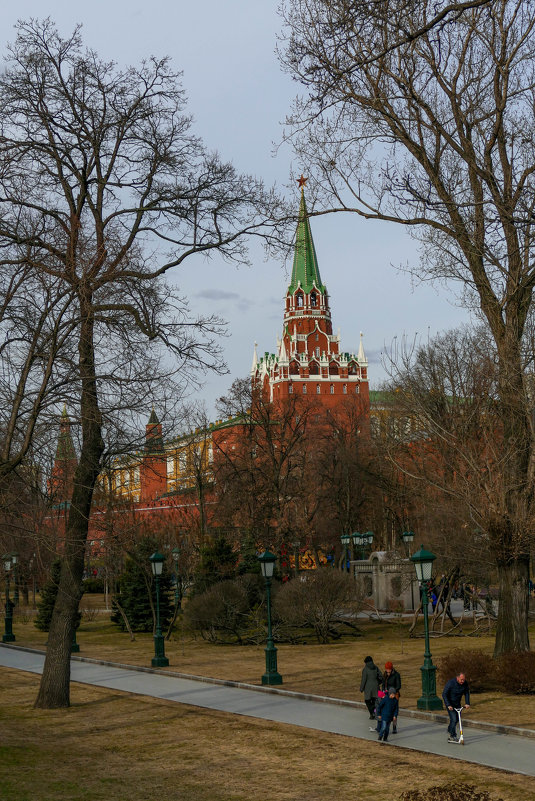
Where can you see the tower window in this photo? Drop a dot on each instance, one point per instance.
(357, 389)
(290, 389)
(318, 389)
(317, 352)
(304, 389)
(299, 301)
(332, 389)
(317, 336)
(313, 300)
(345, 389)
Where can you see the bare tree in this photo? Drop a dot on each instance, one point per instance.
(437, 134)
(106, 188)
(260, 467)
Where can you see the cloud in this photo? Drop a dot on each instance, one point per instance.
(217, 294)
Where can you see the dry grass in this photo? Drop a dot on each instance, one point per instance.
(111, 746)
(332, 670)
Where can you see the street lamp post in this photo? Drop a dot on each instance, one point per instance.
(423, 563)
(159, 659)
(407, 538)
(357, 542)
(345, 539)
(367, 538)
(295, 545)
(271, 676)
(10, 560)
(176, 557)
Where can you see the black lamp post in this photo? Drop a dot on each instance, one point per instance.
(345, 539)
(407, 538)
(271, 676)
(295, 545)
(10, 560)
(360, 541)
(423, 563)
(367, 538)
(176, 557)
(159, 660)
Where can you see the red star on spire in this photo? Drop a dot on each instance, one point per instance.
(302, 181)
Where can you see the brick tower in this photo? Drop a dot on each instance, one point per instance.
(153, 472)
(61, 480)
(309, 360)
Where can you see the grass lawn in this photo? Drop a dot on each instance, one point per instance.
(333, 670)
(112, 746)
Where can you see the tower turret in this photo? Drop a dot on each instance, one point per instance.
(61, 480)
(308, 359)
(153, 469)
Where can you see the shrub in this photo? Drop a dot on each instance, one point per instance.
(94, 585)
(324, 602)
(515, 672)
(478, 667)
(447, 792)
(227, 609)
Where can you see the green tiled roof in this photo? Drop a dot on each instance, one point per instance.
(65, 449)
(305, 266)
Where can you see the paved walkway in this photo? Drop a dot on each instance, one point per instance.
(505, 751)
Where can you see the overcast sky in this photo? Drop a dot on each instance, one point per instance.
(239, 97)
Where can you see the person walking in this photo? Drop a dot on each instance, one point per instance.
(454, 689)
(391, 678)
(369, 684)
(387, 713)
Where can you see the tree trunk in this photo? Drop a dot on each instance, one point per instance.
(54, 690)
(512, 627)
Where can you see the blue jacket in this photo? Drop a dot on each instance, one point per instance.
(453, 692)
(388, 708)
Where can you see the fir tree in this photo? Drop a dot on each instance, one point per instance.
(218, 562)
(136, 587)
(47, 599)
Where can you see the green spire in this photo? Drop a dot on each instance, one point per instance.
(305, 266)
(65, 449)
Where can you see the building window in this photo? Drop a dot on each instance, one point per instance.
(304, 389)
(344, 389)
(357, 389)
(210, 453)
(317, 336)
(170, 465)
(332, 389)
(313, 300)
(182, 461)
(318, 389)
(290, 389)
(299, 301)
(317, 352)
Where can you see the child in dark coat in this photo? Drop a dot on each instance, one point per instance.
(387, 712)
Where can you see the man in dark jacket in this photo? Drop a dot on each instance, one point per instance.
(369, 684)
(454, 690)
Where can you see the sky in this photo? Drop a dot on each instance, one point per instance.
(239, 97)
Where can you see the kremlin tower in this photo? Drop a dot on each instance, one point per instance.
(309, 360)
(61, 481)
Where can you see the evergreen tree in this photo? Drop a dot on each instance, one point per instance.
(46, 602)
(218, 562)
(136, 587)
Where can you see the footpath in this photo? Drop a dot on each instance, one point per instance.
(496, 747)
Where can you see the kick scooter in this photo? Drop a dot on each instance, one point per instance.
(460, 741)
